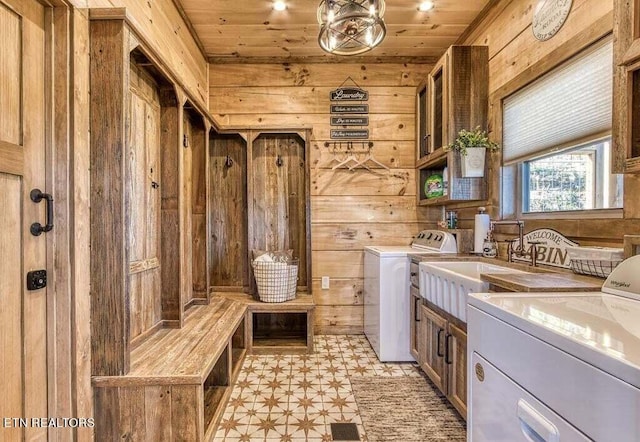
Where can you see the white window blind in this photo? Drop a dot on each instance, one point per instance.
(570, 103)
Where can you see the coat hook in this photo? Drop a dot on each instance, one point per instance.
(228, 162)
(279, 161)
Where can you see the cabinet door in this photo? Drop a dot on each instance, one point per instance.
(456, 359)
(414, 324)
(422, 122)
(433, 331)
(437, 112)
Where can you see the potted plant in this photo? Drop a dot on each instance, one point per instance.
(472, 146)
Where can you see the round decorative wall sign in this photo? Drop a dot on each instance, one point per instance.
(549, 16)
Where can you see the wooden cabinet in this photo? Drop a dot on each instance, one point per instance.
(433, 331)
(442, 348)
(456, 98)
(626, 97)
(456, 359)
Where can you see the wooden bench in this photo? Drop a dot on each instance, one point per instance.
(284, 327)
(179, 381)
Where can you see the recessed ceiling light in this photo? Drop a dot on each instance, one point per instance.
(279, 5)
(425, 6)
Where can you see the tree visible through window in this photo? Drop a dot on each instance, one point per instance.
(574, 179)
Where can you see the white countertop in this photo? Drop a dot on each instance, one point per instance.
(600, 329)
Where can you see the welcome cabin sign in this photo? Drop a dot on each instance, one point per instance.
(551, 251)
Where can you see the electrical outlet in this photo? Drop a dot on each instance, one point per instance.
(325, 283)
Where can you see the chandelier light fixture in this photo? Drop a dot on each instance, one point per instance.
(350, 27)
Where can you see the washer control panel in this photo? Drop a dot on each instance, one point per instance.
(438, 240)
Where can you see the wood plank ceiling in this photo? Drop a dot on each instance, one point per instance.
(250, 31)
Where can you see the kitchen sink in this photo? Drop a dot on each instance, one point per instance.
(448, 284)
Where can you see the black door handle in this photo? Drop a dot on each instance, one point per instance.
(36, 196)
(446, 349)
(416, 316)
(438, 343)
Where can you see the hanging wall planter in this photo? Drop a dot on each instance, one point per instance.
(473, 162)
(472, 147)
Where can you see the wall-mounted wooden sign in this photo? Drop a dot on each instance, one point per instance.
(349, 108)
(349, 121)
(551, 251)
(349, 134)
(348, 94)
(548, 17)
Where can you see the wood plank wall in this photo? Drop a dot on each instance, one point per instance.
(516, 58)
(349, 210)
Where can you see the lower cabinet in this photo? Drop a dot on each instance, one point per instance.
(442, 355)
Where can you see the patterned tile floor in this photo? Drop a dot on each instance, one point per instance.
(295, 398)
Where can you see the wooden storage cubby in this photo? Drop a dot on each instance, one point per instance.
(459, 189)
(279, 192)
(279, 327)
(229, 221)
(195, 160)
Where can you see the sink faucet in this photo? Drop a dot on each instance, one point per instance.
(520, 250)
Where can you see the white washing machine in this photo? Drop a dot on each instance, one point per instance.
(386, 292)
(556, 367)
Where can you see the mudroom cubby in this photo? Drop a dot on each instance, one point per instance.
(149, 181)
(279, 197)
(194, 143)
(229, 223)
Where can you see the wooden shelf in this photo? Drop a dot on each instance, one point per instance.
(293, 339)
(437, 158)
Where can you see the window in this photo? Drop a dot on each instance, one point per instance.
(557, 135)
(577, 178)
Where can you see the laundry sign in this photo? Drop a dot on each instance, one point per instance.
(551, 251)
(349, 108)
(349, 134)
(348, 94)
(349, 121)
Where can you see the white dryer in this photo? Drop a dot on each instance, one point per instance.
(556, 366)
(386, 292)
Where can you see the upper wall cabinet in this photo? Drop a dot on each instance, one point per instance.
(454, 97)
(626, 96)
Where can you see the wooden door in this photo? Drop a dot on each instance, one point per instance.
(434, 329)
(457, 362)
(23, 313)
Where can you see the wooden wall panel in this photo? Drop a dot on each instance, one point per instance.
(349, 209)
(229, 267)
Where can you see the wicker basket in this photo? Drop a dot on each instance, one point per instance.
(276, 281)
(594, 267)
(594, 261)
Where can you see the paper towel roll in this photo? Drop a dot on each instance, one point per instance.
(481, 228)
